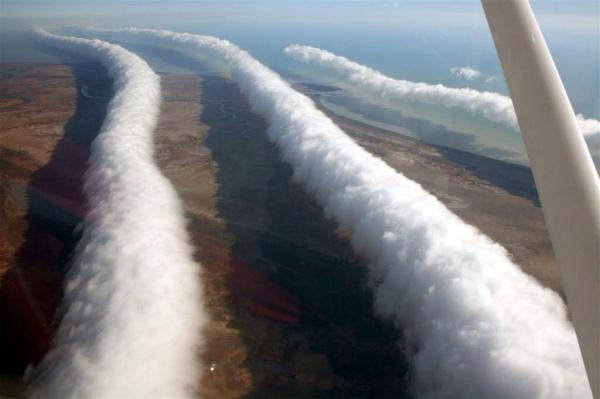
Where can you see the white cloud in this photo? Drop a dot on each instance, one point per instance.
(133, 299)
(465, 72)
(492, 106)
(478, 325)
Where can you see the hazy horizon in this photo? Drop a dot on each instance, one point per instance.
(417, 41)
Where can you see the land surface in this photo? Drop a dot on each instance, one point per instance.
(291, 313)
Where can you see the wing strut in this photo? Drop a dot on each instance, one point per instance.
(567, 182)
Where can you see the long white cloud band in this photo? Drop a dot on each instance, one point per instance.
(133, 299)
(492, 106)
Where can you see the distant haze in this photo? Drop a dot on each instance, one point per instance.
(415, 40)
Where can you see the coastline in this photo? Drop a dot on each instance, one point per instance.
(497, 197)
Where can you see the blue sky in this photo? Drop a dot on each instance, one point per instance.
(54, 8)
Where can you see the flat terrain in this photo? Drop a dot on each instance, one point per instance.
(291, 316)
